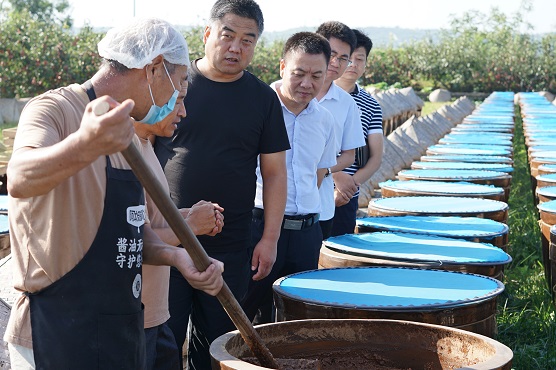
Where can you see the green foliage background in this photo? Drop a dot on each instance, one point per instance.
(479, 53)
(38, 53)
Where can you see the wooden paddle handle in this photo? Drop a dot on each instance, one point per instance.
(199, 256)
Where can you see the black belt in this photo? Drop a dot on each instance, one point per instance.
(297, 222)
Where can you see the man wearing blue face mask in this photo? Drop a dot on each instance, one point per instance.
(156, 113)
(80, 273)
(204, 218)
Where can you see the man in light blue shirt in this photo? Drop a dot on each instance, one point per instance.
(310, 130)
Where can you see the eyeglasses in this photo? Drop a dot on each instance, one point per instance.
(340, 60)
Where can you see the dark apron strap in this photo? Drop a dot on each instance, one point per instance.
(92, 317)
(88, 86)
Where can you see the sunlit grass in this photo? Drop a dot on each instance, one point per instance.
(430, 107)
(5, 126)
(526, 318)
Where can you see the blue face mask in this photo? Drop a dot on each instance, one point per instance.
(156, 113)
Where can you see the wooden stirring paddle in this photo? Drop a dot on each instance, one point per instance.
(199, 256)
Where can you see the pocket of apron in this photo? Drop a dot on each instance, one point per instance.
(121, 341)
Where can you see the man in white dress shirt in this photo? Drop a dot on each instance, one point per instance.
(348, 131)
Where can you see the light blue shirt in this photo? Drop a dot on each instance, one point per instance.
(349, 135)
(312, 142)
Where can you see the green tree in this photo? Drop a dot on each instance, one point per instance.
(480, 52)
(40, 54)
(266, 61)
(389, 65)
(44, 10)
(194, 37)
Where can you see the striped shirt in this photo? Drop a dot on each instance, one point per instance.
(371, 118)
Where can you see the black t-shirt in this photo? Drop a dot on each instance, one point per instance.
(213, 153)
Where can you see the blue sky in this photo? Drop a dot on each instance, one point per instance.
(285, 14)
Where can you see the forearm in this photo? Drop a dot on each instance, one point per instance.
(167, 235)
(364, 173)
(204, 218)
(36, 171)
(344, 160)
(375, 143)
(155, 250)
(273, 171)
(274, 201)
(274, 175)
(157, 253)
(320, 176)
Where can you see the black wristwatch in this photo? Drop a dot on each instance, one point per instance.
(328, 172)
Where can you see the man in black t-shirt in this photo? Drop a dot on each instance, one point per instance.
(232, 119)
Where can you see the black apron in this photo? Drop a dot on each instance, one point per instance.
(92, 317)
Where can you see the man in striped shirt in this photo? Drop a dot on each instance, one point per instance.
(371, 121)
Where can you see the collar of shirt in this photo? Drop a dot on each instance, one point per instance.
(333, 93)
(355, 91)
(313, 104)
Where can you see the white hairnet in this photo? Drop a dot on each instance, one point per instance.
(136, 44)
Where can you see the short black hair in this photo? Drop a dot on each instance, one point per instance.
(115, 65)
(120, 68)
(243, 8)
(363, 41)
(340, 31)
(308, 42)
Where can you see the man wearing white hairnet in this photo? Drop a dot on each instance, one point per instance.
(78, 225)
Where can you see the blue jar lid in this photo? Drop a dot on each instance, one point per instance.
(547, 191)
(463, 175)
(453, 149)
(467, 158)
(418, 248)
(548, 167)
(439, 187)
(418, 165)
(464, 139)
(450, 226)
(549, 207)
(549, 177)
(439, 204)
(388, 288)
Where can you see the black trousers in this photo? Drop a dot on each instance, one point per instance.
(298, 250)
(208, 318)
(162, 351)
(326, 228)
(344, 218)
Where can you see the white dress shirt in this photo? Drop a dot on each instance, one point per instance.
(313, 146)
(349, 135)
